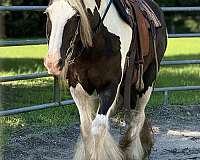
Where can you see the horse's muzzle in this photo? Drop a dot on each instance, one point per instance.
(54, 64)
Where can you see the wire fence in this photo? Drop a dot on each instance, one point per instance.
(56, 90)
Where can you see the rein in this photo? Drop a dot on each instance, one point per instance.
(70, 50)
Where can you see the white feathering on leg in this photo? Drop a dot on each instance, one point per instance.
(99, 122)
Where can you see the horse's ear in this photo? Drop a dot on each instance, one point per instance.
(50, 2)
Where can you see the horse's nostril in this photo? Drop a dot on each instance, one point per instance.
(61, 63)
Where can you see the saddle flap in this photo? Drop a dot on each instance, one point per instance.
(143, 31)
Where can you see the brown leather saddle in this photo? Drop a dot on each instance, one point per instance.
(142, 19)
(138, 12)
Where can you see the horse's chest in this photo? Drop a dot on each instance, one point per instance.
(97, 72)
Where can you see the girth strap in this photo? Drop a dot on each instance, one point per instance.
(130, 60)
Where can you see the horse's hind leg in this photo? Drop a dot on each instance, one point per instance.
(105, 148)
(84, 103)
(131, 143)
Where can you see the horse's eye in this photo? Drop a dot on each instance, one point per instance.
(77, 15)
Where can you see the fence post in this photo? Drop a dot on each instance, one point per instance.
(165, 103)
(56, 90)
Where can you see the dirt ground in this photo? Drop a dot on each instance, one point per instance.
(177, 135)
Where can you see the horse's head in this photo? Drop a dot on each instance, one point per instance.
(65, 18)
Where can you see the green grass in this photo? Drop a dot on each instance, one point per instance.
(29, 59)
(181, 75)
(23, 60)
(183, 48)
(29, 52)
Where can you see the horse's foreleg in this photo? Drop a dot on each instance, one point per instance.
(131, 142)
(105, 148)
(84, 103)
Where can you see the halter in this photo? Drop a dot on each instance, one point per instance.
(70, 50)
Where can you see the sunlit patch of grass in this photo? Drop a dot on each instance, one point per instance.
(183, 49)
(13, 122)
(29, 51)
(9, 124)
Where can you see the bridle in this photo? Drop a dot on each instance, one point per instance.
(70, 50)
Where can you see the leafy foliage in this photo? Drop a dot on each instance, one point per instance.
(32, 24)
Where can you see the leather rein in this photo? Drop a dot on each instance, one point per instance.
(70, 50)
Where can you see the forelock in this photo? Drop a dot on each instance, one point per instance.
(85, 25)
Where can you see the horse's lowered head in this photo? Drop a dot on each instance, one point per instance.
(67, 25)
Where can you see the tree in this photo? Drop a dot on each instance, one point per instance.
(2, 26)
(32, 24)
(2, 19)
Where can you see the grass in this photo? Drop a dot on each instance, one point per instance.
(29, 59)
(183, 49)
(182, 75)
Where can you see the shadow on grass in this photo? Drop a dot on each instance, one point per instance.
(26, 93)
(182, 75)
(182, 57)
(20, 65)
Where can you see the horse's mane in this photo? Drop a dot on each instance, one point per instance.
(85, 29)
(85, 33)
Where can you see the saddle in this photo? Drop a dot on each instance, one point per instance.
(142, 19)
(138, 12)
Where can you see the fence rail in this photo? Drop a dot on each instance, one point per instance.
(35, 108)
(180, 62)
(181, 9)
(24, 77)
(22, 8)
(44, 41)
(42, 8)
(23, 42)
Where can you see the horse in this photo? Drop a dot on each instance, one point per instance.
(88, 43)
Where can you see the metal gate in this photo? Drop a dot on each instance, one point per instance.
(57, 102)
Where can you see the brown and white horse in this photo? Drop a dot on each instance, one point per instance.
(94, 63)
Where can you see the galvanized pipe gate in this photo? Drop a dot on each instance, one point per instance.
(56, 96)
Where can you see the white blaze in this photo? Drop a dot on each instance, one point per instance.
(59, 13)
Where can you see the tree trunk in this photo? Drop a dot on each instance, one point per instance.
(2, 26)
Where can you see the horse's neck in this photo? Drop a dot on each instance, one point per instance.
(92, 4)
